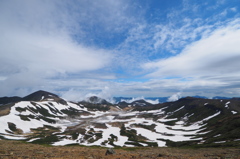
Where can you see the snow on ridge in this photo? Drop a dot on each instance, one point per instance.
(31, 140)
(177, 132)
(217, 135)
(210, 117)
(161, 131)
(178, 109)
(219, 142)
(157, 111)
(14, 117)
(234, 112)
(226, 105)
(14, 137)
(166, 120)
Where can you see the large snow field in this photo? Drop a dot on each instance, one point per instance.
(131, 120)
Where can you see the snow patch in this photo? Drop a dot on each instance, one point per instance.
(178, 109)
(64, 142)
(226, 105)
(219, 142)
(234, 112)
(166, 120)
(210, 117)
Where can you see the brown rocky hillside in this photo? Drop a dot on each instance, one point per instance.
(20, 150)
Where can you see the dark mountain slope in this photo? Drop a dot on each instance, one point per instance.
(36, 96)
(6, 100)
(195, 109)
(96, 103)
(43, 95)
(223, 129)
(39, 95)
(137, 104)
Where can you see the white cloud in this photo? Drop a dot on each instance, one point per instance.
(233, 9)
(50, 53)
(36, 43)
(210, 56)
(212, 62)
(172, 37)
(174, 97)
(72, 47)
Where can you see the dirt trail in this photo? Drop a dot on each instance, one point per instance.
(20, 150)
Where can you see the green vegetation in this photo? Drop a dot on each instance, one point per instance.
(41, 132)
(149, 127)
(14, 129)
(92, 135)
(150, 144)
(170, 143)
(19, 109)
(24, 117)
(131, 134)
(171, 123)
(112, 139)
(47, 119)
(71, 112)
(45, 134)
(47, 140)
(12, 126)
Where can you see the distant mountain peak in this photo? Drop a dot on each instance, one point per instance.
(96, 100)
(39, 95)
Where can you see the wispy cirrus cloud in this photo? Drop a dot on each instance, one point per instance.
(208, 62)
(212, 55)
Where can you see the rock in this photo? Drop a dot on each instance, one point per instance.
(110, 152)
(14, 129)
(160, 155)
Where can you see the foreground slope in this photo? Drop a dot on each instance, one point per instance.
(43, 117)
(16, 149)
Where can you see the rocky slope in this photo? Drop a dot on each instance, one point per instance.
(20, 150)
(45, 118)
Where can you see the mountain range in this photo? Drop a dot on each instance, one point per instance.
(45, 118)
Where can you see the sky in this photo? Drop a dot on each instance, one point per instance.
(130, 48)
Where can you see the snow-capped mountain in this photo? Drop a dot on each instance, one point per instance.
(43, 117)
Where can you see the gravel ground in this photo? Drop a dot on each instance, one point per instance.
(21, 150)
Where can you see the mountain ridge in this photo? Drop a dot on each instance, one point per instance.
(45, 118)
(38, 95)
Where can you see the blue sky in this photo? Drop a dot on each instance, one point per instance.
(149, 48)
